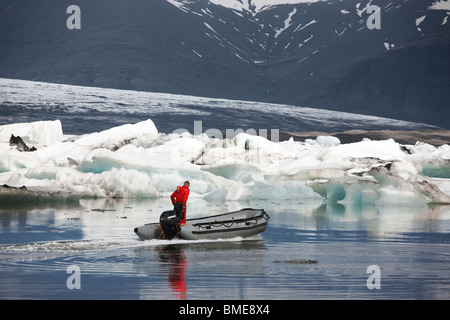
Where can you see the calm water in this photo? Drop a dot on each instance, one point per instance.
(39, 242)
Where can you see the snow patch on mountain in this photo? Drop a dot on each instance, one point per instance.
(440, 5)
(287, 23)
(253, 6)
(181, 4)
(419, 21)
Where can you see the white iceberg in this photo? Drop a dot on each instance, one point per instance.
(114, 138)
(134, 160)
(38, 132)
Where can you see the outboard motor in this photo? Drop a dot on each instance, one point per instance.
(169, 224)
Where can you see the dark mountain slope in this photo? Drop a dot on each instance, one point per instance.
(317, 54)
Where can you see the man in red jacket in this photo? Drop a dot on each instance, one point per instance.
(179, 198)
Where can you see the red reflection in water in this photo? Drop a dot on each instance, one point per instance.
(177, 269)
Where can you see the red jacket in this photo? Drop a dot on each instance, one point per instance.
(181, 194)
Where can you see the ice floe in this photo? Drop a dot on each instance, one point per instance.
(135, 160)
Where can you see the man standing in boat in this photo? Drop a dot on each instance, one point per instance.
(179, 198)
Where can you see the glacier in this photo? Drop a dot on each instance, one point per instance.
(80, 108)
(138, 161)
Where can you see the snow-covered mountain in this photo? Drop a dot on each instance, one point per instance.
(318, 54)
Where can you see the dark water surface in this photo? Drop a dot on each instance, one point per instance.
(309, 251)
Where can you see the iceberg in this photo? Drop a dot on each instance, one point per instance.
(42, 132)
(135, 160)
(116, 137)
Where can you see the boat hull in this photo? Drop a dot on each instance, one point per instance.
(243, 223)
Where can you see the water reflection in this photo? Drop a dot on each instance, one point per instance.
(25, 222)
(199, 269)
(174, 258)
(410, 244)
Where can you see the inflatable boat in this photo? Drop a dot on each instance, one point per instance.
(243, 223)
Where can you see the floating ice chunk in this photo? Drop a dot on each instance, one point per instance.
(42, 173)
(186, 148)
(113, 183)
(378, 186)
(442, 184)
(41, 132)
(327, 141)
(4, 157)
(431, 161)
(403, 190)
(233, 171)
(248, 142)
(438, 168)
(348, 189)
(114, 138)
(421, 147)
(395, 197)
(384, 150)
(432, 191)
(404, 169)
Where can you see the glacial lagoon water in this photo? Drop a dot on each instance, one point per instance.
(86, 249)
